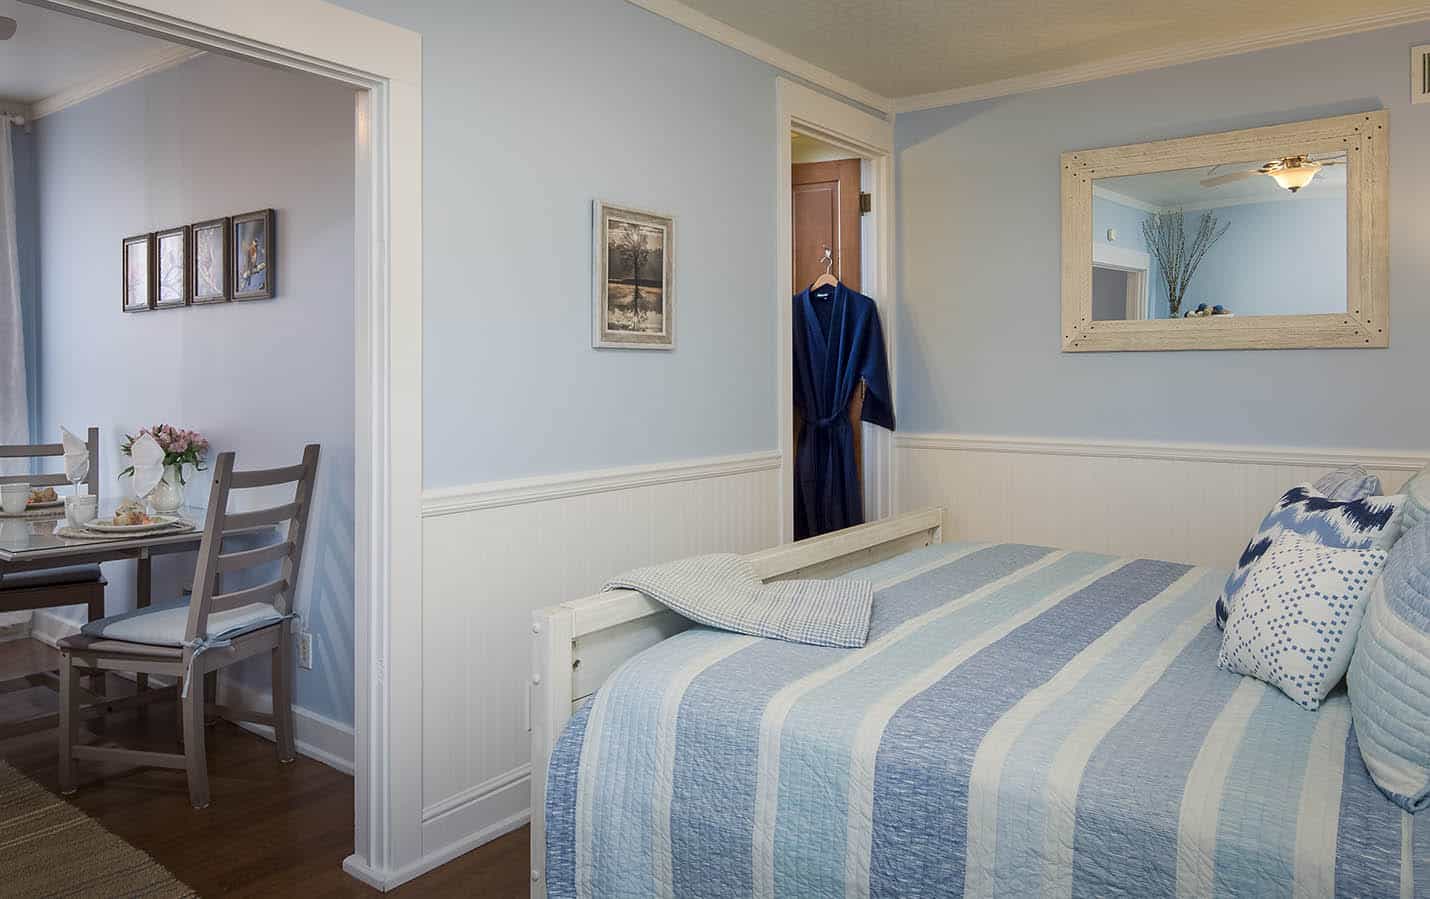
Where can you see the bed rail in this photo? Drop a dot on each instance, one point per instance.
(576, 645)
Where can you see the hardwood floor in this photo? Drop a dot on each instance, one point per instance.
(271, 830)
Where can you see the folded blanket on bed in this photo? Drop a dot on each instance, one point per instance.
(722, 591)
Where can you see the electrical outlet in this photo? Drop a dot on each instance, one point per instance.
(305, 650)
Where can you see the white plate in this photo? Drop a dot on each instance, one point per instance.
(157, 522)
(50, 505)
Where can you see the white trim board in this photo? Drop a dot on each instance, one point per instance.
(1196, 503)
(769, 54)
(1223, 453)
(495, 494)
(1148, 60)
(132, 69)
(1127, 64)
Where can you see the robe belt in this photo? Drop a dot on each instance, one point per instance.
(832, 421)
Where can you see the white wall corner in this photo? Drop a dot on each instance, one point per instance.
(132, 69)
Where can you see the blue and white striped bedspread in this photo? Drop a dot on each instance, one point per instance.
(1022, 722)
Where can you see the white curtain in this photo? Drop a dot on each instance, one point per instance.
(14, 403)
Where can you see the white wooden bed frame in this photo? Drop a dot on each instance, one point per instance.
(576, 645)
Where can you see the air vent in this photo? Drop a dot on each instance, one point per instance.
(1420, 74)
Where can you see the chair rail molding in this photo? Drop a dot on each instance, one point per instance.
(383, 63)
(1185, 502)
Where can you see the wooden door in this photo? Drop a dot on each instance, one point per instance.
(826, 214)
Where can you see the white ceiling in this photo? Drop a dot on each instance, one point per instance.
(900, 48)
(1183, 188)
(52, 52)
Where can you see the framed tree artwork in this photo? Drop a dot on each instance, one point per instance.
(171, 268)
(251, 237)
(209, 273)
(633, 291)
(138, 280)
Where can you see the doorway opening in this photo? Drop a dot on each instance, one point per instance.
(835, 183)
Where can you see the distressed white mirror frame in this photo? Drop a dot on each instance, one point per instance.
(1365, 139)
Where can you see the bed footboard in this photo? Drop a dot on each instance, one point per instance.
(576, 645)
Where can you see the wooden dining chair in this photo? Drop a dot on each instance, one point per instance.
(210, 630)
(49, 588)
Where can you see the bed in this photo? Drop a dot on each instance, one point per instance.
(1023, 721)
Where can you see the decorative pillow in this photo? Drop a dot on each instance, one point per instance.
(1370, 523)
(1347, 484)
(1417, 499)
(1295, 621)
(1389, 679)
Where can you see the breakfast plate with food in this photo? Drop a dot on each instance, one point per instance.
(132, 518)
(44, 498)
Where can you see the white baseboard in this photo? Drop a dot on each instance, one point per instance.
(390, 880)
(1195, 503)
(315, 736)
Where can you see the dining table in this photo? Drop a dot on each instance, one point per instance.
(42, 539)
(33, 542)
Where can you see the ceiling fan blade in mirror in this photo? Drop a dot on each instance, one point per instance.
(1227, 179)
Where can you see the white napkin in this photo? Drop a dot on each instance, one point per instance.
(148, 464)
(76, 457)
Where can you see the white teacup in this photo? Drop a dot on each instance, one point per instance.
(81, 510)
(14, 498)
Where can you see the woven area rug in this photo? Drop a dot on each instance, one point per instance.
(50, 848)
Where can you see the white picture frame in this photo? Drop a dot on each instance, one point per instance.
(633, 284)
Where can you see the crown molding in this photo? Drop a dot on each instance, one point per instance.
(769, 54)
(132, 69)
(1157, 59)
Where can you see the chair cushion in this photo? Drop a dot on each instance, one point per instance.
(51, 577)
(1348, 484)
(1389, 678)
(164, 624)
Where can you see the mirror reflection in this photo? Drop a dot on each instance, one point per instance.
(1261, 237)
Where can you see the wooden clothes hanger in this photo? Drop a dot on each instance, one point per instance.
(827, 279)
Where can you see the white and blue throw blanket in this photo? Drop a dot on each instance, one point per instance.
(1022, 721)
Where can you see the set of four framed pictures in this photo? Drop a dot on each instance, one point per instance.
(207, 262)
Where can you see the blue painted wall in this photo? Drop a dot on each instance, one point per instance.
(979, 259)
(533, 109)
(27, 234)
(213, 137)
(1279, 258)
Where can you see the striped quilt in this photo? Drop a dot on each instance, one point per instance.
(1022, 722)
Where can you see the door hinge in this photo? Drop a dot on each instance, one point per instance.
(866, 203)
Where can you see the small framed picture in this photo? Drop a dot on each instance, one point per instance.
(208, 282)
(171, 268)
(633, 302)
(138, 272)
(252, 262)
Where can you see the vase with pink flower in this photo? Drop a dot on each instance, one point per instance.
(181, 447)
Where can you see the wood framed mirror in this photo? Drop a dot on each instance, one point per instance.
(1266, 238)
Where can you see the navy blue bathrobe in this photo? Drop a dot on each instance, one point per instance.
(837, 344)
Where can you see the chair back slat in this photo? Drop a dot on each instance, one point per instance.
(220, 523)
(239, 521)
(267, 477)
(50, 450)
(249, 558)
(222, 602)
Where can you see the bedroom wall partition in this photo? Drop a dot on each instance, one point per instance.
(980, 248)
(1193, 503)
(494, 552)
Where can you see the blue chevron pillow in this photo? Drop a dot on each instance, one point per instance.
(1369, 523)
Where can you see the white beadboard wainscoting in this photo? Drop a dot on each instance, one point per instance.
(494, 552)
(1194, 503)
